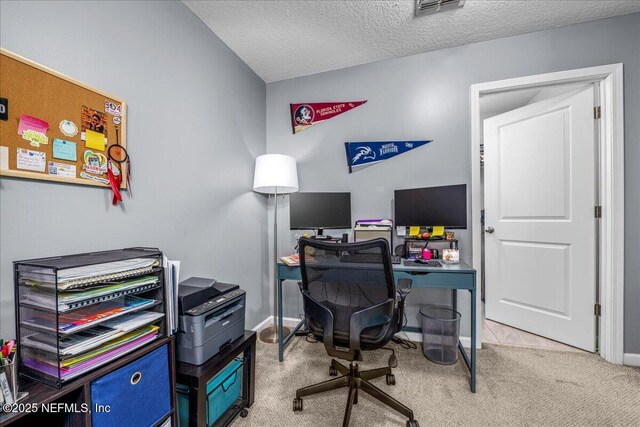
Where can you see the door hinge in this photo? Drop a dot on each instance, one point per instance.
(596, 112)
(597, 310)
(598, 212)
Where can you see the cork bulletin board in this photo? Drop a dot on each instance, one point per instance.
(55, 128)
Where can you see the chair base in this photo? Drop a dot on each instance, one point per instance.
(355, 380)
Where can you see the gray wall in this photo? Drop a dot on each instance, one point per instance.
(196, 122)
(427, 96)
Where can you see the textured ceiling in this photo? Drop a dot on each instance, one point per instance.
(285, 39)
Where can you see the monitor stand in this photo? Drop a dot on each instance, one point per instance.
(320, 236)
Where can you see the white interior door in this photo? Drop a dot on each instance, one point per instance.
(540, 194)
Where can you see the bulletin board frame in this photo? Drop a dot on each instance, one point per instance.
(18, 75)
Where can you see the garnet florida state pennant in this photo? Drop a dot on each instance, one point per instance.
(304, 116)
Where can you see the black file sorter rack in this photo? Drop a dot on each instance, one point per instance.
(74, 299)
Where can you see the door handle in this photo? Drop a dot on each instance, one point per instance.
(489, 230)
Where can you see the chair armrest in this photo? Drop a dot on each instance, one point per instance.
(372, 316)
(322, 314)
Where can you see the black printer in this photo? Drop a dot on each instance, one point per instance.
(211, 315)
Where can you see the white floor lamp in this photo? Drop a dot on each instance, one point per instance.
(275, 174)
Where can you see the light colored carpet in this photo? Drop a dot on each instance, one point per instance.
(516, 386)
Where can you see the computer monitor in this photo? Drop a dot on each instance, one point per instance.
(445, 206)
(317, 211)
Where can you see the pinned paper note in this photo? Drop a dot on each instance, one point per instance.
(35, 138)
(4, 109)
(64, 150)
(414, 230)
(68, 128)
(31, 160)
(95, 162)
(438, 230)
(113, 108)
(62, 169)
(93, 120)
(94, 140)
(94, 178)
(32, 123)
(4, 158)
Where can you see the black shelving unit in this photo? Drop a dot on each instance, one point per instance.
(47, 320)
(423, 243)
(196, 378)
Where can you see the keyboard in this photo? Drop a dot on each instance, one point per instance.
(409, 263)
(368, 258)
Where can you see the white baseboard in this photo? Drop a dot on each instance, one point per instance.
(286, 321)
(631, 359)
(417, 337)
(413, 336)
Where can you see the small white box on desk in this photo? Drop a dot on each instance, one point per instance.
(373, 229)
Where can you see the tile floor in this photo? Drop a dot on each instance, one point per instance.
(497, 333)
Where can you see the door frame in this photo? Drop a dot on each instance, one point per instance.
(611, 191)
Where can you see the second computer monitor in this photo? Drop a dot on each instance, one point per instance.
(317, 211)
(431, 206)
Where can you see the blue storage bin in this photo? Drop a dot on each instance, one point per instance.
(138, 394)
(223, 390)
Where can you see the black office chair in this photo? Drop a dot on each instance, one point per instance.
(350, 305)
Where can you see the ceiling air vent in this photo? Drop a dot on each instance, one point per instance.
(424, 7)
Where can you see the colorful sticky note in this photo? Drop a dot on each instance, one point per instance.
(94, 140)
(32, 123)
(438, 230)
(414, 230)
(64, 150)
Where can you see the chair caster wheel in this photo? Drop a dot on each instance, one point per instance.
(412, 423)
(297, 404)
(244, 413)
(333, 371)
(391, 380)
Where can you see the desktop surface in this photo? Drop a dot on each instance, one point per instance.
(461, 267)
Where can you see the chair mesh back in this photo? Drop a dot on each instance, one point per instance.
(346, 277)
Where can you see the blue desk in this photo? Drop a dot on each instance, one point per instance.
(454, 277)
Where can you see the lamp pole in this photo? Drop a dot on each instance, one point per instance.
(275, 174)
(275, 262)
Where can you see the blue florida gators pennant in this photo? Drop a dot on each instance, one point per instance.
(363, 154)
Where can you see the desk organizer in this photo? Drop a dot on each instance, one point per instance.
(78, 312)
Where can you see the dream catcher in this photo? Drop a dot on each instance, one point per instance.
(119, 163)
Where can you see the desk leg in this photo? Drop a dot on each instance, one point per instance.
(454, 299)
(473, 340)
(280, 337)
(252, 373)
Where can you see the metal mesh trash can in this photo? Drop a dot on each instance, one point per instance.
(440, 334)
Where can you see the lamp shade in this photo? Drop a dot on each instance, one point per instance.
(275, 172)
